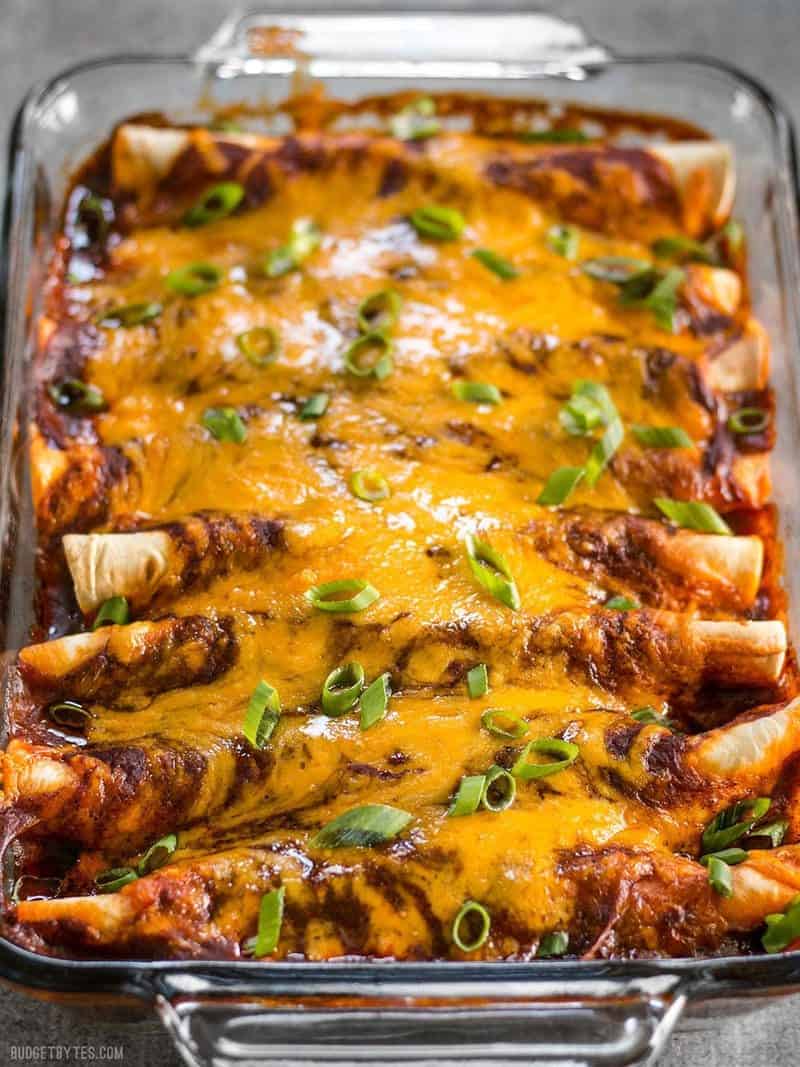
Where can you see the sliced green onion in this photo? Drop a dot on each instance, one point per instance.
(216, 203)
(130, 314)
(650, 717)
(342, 688)
(565, 752)
(194, 279)
(76, 397)
(315, 407)
(502, 723)
(369, 485)
(490, 568)
(499, 790)
(262, 715)
(782, 928)
(376, 346)
(719, 877)
(560, 485)
(437, 222)
(471, 926)
(562, 135)
(468, 798)
(261, 345)
(749, 420)
(733, 823)
(589, 406)
(378, 312)
(604, 451)
(684, 248)
(655, 291)
(222, 125)
(774, 832)
(225, 424)
(304, 239)
(554, 944)
(416, 121)
(97, 213)
(478, 681)
(375, 701)
(621, 603)
(157, 855)
(362, 827)
(115, 878)
(662, 436)
(347, 594)
(270, 920)
(496, 264)
(279, 262)
(112, 612)
(564, 240)
(731, 856)
(692, 515)
(733, 234)
(477, 392)
(615, 269)
(70, 714)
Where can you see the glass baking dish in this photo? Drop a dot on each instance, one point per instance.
(577, 1012)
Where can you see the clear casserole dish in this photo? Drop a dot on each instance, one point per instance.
(577, 1012)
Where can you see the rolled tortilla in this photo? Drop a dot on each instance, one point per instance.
(743, 365)
(156, 565)
(693, 179)
(705, 173)
(716, 287)
(767, 882)
(117, 663)
(116, 797)
(741, 653)
(609, 900)
(752, 749)
(663, 567)
(106, 565)
(732, 562)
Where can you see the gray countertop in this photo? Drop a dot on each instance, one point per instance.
(40, 37)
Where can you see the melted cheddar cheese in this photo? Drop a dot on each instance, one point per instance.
(611, 617)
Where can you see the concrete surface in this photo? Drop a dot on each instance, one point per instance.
(40, 37)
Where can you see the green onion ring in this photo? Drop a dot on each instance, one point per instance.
(262, 715)
(749, 420)
(377, 313)
(70, 714)
(369, 485)
(332, 596)
(382, 346)
(513, 732)
(260, 345)
(499, 777)
(471, 911)
(115, 878)
(113, 612)
(342, 688)
(194, 279)
(76, 397)
(566, 752)
(157, 855)
(130, 314)
(216, 203)
(468, 796)
(437, 222)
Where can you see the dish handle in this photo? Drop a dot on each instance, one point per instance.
(531, 43)
(597, 1023)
